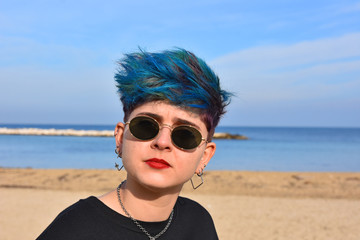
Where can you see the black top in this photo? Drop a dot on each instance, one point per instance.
(91, 219)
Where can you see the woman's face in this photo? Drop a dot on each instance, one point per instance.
(158, 163)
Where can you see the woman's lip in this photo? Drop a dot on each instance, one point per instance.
(157, 163)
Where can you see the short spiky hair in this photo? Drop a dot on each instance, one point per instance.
(176, 76)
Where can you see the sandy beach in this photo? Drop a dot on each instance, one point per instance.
(244, 205)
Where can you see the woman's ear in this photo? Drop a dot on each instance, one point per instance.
(118, 134)
(207, 155)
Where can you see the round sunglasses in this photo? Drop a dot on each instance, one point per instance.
(185, 137)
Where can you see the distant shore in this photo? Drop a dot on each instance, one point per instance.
(88, 133)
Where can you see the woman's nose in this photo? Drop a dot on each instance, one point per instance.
(163, 139)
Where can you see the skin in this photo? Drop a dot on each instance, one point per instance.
(149, 193)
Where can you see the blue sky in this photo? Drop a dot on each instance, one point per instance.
(290, 63)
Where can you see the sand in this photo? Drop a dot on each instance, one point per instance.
(244, 205)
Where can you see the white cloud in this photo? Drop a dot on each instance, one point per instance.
(312, 83)
(351, 8)
(307, 52)
(322, 68)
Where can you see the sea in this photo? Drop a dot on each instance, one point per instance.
(304, 149)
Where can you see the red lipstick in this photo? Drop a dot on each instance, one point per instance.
(157, 163)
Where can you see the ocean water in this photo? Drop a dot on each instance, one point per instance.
(268, 149)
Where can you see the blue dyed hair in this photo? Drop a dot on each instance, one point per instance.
(176, 76)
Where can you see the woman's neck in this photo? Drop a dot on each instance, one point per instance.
(143, 203)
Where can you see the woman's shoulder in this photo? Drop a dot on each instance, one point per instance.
(194, 219)
(80, 215)
(192, 208)
(80, 209)
(187, 202)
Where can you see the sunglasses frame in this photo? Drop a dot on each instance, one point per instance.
(161, 126)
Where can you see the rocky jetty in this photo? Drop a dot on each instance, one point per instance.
(87, 133)
(55, 132)
(229, 136)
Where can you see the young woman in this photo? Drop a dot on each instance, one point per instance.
(172, 102)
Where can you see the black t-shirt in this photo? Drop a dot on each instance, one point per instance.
(91, 219)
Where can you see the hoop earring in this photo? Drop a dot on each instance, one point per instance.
(202, 180)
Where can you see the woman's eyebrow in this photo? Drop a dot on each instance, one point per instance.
(177, 121)
(153, 115)
(180, 121)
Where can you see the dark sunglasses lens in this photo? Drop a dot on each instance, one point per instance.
(144, 128)
(186, 137)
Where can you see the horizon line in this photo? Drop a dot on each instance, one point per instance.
(245, 126)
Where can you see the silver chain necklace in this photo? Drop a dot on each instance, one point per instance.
(137, 223)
